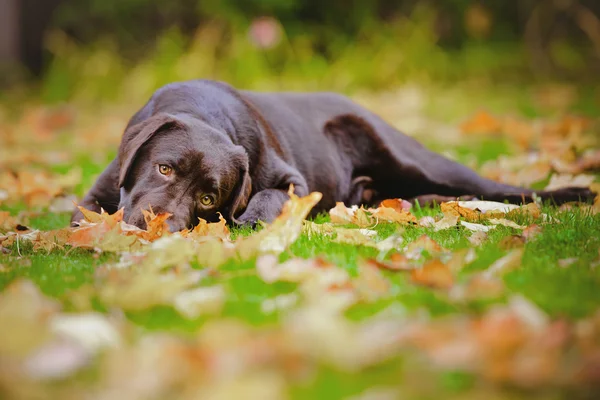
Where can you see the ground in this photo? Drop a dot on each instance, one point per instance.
(446, 302)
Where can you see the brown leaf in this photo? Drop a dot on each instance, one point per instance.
(531, 232)
(284, 230)
(370, 283)
(477, 238)
(416, 248)
(482, 123)
(512, 242)
(433, 273)
(448, 221)
(218, 229)
(397, 262)
(393, 215)
(156, 225)
(355, 236)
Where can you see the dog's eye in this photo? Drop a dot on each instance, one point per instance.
(207, 200)
(165, 169)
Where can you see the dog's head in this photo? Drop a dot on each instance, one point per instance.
(183, 167)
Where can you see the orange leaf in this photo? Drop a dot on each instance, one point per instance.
(218, 229)
(156, 225)
(481, 123)
(393, 215)
(434, 274)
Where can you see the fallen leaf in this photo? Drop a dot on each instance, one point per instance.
(424, 243)
(397, 204)
(397, 262)
(200, 301)
(448, 221)
(355, 236)
(505, 264)
(387, 214)
(568, 180)
(531, 232)
(477, 238)
(218, 229)
(370, 283)
(426, 222)
(482, 122)
(505, 222)
(283, 231)
(433, 273)
(477, 227)
(512, 242)
(92, 330)
(156, 225)
(341, 214)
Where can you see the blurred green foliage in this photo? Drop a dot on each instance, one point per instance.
(117, 49)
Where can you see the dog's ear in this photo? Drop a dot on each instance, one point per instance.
(139, 134)
(243, 187)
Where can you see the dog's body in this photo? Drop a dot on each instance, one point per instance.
(243, 150)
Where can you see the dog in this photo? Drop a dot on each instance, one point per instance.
(199, 148)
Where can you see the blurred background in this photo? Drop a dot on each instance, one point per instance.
(109, 50)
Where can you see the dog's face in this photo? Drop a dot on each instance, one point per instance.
(188, 169)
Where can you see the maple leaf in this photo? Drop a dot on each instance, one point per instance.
(218, 229)
(283, 231)
(94, 217)
(156, 225)
(341, 214)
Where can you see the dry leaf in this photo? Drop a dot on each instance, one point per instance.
(397, 204)
(283, 231)
(505, 264)
(218, 229)
(505, 222)
(448, 221)
(370, 283)
(482, 123)
(477, 238)
(422, 244)
(392, 215)
(200, 301)
(568, 180)
(433, 273)
(355, 236)
(477, 227)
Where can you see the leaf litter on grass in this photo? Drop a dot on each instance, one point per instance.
(87, 343)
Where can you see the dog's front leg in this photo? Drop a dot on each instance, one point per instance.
(266, 205)
(104, 194)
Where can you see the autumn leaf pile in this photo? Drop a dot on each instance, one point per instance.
(88, 341)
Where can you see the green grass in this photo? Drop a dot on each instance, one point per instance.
(561, 291)
(569, 292)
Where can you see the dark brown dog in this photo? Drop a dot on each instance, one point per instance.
(201, 147)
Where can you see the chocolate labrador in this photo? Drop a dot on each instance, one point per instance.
(201, 147)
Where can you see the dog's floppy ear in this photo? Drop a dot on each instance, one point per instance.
(136, 136)
(243, 187)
